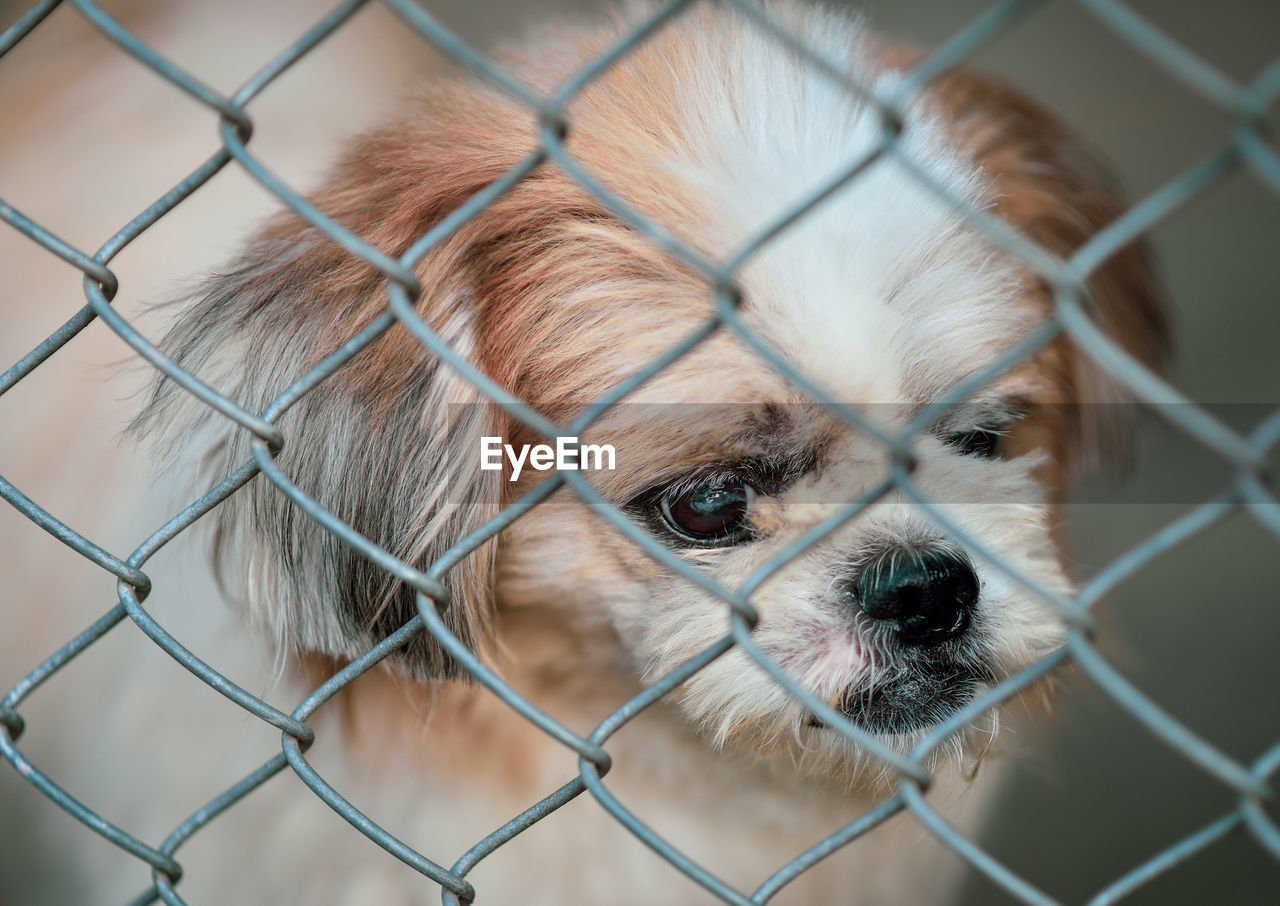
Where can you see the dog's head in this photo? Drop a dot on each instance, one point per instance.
(882, 296)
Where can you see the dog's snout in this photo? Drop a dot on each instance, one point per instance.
(927, 595)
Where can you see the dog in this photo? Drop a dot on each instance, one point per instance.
(883, 295)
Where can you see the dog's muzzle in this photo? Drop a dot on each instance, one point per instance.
(916, 605)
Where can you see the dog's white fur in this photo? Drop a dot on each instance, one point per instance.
(881, 295)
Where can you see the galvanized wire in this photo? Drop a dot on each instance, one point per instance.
(1246, 146)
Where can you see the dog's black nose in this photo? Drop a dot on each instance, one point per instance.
(926, 594)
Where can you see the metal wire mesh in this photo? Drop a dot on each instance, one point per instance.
(1245, 146)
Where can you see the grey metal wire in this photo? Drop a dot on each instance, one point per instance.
(1246, 147)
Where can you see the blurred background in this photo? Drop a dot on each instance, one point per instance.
(90, 138)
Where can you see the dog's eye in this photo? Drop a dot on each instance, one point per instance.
(987, 443)
(714, 512)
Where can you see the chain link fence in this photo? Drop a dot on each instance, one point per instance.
(1245, 145)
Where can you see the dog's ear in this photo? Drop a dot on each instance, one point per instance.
(1047, 183)
(390, 442)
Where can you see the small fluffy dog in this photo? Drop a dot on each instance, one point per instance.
(882, 295)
